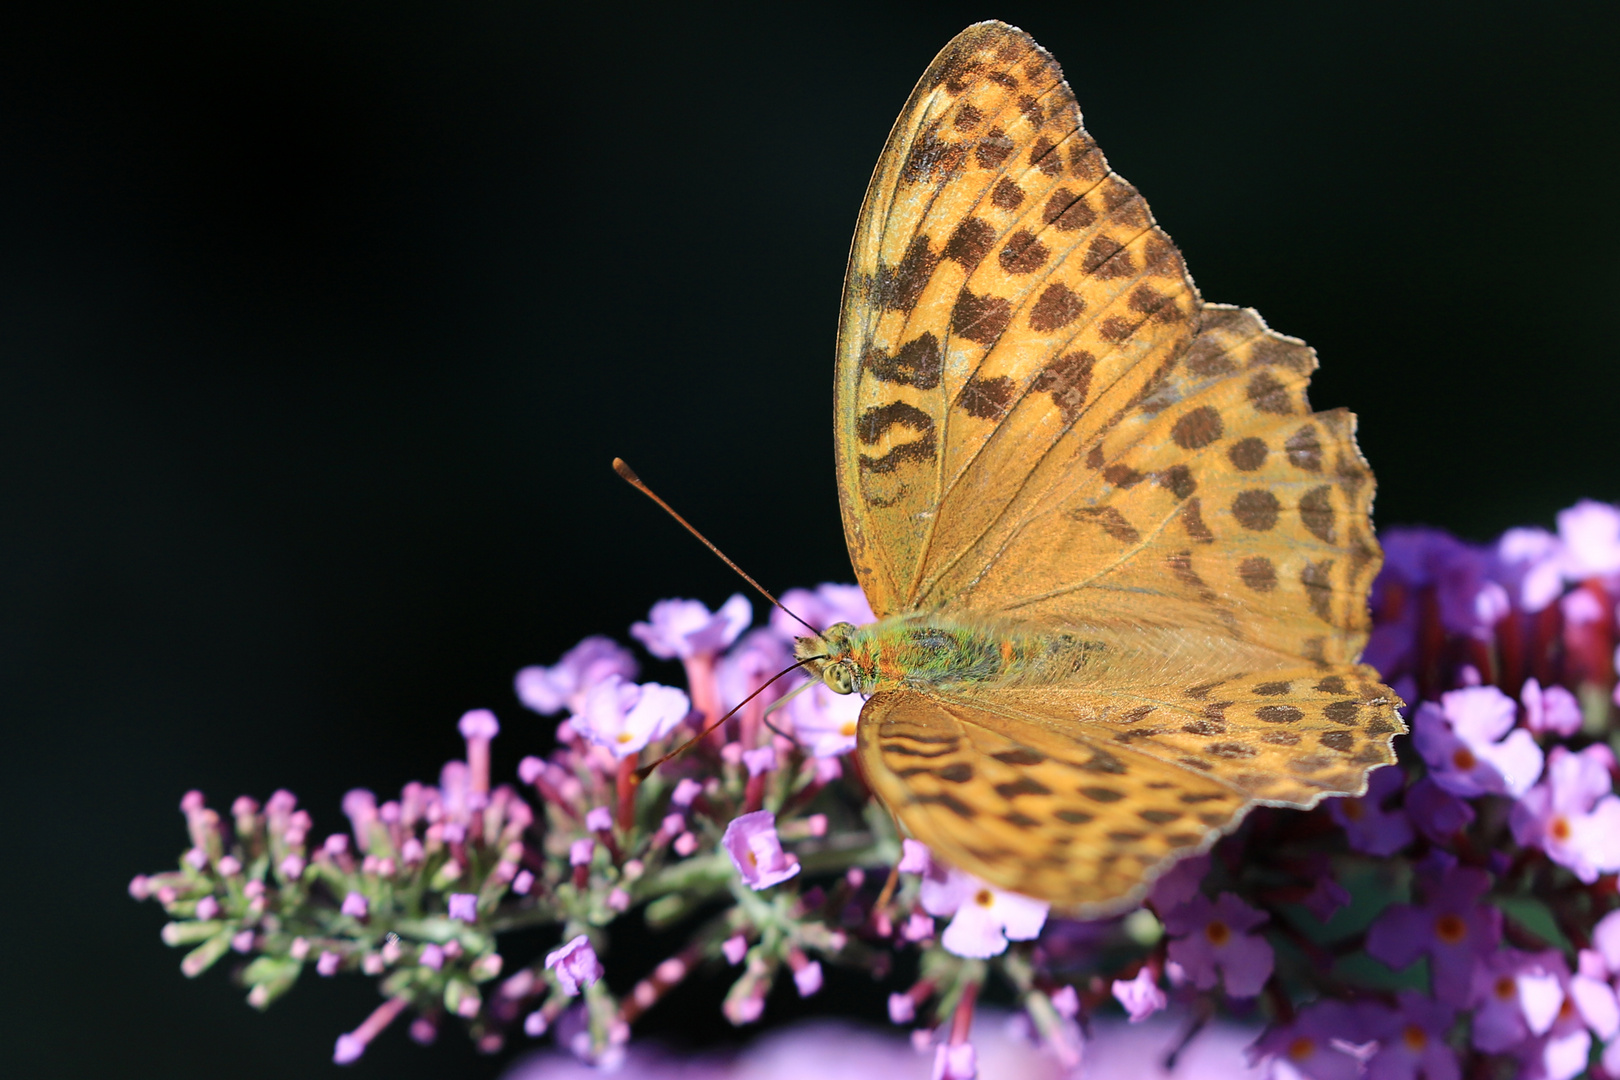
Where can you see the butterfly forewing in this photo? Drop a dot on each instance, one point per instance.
(1041, 424)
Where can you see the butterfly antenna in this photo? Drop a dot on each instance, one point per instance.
(629, 476)
(647, 770)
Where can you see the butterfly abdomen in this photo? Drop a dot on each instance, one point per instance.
(931, 654)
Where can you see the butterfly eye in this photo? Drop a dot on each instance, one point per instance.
(839, 677)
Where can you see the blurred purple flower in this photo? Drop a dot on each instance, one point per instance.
(1179, 884)
(824, 720)
(1573, 815)
(1368, 825)
(1552, 710)
(1411, 1039)
(1437, 813)
(1209, 935)
(1459, 740)
(576, 965)
(756, 850)
(760, 760)
(1451, 928)
(1590, 533)
(1313, 1045)
(1141, 996)
(624, 717)
(463, 906)
(1529, 563)
(1326, 897)
(955, 1061)
(680, 629)
(983, 918)
(355, 905)
(821, 607)
(807, 979)
(547, 690)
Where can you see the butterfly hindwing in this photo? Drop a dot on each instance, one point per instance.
(1082, 796)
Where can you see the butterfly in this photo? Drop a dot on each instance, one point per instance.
(1120, 568)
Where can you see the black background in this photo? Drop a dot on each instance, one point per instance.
(320, 324)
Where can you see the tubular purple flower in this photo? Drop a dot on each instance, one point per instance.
(756, 850)
(599, 819)
(548, 690)
(1438, 814)
(478, 727)
(360, 806)
(955, 1061)
(463, 906)
(576, 965)
(207, 908)
(351, 1046)
(734, 948)
(327, 963)
(355, 905)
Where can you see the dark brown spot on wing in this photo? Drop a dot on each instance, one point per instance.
(1333, 684)
(1268, 395)
(1066, 212)
(1342, 712)
(1317, 577)
(1022, 755)
(1022, 253)
(1122, 475)
(1102, 794)
(1106, 258)
(980, 318)
(1073, 817)
(898, 288)
(1247, 454)
(1192, 519)
(970, 242)
(1342, 741)
(1304, 449)
(916, 364)
(1110, 520)
(1024, 785)
(1278, 714)
(1056, 308)
(1006, 195)
(1178, 479)
(986, 399)
(1067, 379)
(1316, 512)
(1273, 689)
(993, 149)
(1198, 428)
(1256, 510)
(1258, 573)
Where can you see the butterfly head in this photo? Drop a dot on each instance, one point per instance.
(831, 656)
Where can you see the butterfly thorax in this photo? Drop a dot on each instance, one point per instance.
(924, 652)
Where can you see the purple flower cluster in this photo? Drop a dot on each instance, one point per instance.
(1459, 918)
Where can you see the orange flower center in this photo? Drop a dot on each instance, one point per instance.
(848, 729)
(1301, 1048)
(1464, 759)
(1218, 932)
(1505, 988)
(1450, 929)
(1559, 828)
(1415, 1038)
(984, 898)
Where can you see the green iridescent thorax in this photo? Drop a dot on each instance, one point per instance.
(921, 652)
